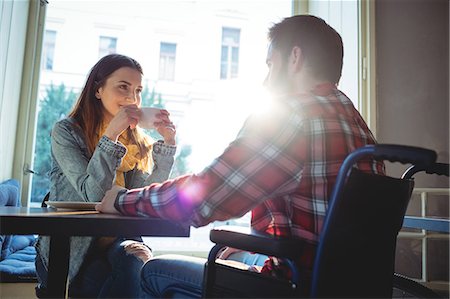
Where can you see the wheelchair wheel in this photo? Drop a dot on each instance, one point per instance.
(404, 287)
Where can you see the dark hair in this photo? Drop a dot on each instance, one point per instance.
(321, 45)
(88, 110)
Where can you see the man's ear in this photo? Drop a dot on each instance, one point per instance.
(297, 58)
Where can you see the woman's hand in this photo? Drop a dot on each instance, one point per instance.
(165, 127)
(128, 116)
(138, 249)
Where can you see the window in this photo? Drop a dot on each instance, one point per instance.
(167, 54)
(107, 45)
(343, 17)
(48, 50)
(229, 62)
(188, 34)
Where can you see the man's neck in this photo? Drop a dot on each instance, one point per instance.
(306, 83)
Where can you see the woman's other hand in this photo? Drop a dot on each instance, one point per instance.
(165, 127)
(138, 249)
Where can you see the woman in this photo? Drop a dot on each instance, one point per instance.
(97, 146)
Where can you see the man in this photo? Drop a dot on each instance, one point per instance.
(282, 166)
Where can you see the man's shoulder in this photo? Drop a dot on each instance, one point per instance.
(312, 106)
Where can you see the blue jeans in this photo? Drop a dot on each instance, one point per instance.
(177, 276)
(110, 274)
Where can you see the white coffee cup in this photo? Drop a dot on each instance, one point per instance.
(148, 117)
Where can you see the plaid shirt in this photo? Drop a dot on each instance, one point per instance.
(282, 166)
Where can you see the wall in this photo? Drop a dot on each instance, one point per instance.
(13, 22)
(412, 44)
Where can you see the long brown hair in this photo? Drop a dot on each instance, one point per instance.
(88, 110)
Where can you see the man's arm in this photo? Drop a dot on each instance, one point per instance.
(263, 162)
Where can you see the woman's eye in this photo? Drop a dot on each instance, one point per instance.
(124, 87)
(139, 91)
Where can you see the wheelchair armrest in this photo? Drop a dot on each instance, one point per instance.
(254, 241)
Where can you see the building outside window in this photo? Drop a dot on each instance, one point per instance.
(167, 55)
(229, 63)
(107, 45)
(48, 50)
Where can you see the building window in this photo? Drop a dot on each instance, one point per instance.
(107, 45)
(167, 55)
(229, 62)
(48, 51)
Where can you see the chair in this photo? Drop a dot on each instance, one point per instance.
(17, 251)
(356, 249)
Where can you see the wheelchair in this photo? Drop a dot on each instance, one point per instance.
(356, 249)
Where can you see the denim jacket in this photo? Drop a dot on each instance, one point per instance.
(77, 176)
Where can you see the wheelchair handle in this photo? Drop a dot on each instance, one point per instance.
(418, 156)
(436, 168)
(404, 154)
(439, 169)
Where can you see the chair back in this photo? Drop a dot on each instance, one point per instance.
(355, 256)
(359, 246)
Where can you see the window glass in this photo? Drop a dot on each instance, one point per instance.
(230, 53)
(183, 38)
(224, 63)
(48, 50)
(107, 45)
(167, 61)
(234, 62)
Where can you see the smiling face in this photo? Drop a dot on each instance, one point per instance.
(123, 87)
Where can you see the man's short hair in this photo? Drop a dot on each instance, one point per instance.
(321, 45)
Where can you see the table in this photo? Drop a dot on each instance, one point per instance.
(62, 224)
(427, 223)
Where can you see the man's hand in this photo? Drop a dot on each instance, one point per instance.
(107, 203)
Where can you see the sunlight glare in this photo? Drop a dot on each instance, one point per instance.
(260, 102)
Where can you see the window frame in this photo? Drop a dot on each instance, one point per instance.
(28, 102)
(367, 64)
